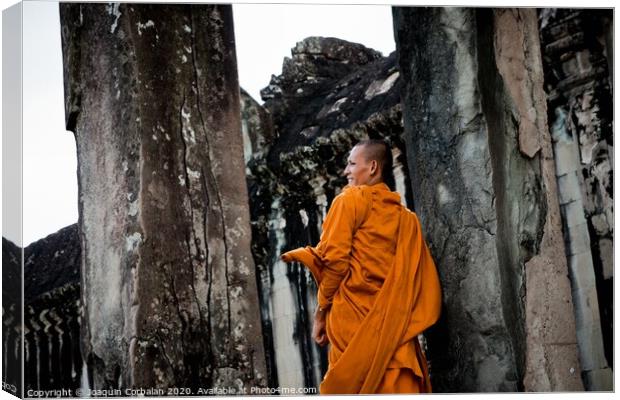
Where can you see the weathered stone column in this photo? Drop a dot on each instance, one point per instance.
(483, 181)
(168, 283)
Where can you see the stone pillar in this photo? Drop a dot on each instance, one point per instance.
(168, 284)
(576, 58)
(483, 183)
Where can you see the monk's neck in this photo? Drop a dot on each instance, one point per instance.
(374, 181)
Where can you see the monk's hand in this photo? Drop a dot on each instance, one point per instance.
(319, 332)
(286, 257)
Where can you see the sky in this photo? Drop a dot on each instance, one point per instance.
(264, 34)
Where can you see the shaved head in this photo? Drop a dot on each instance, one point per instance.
(375, 149)
(380, 151)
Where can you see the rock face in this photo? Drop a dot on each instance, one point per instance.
(327, 86)
(482, 174)
(576, 56)
(168, 282)
(52, 262)
(331, 94)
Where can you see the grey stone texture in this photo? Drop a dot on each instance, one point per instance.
(576, 58)
(167, 275)
(483, 181)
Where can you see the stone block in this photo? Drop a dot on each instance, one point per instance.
(566, 158)
(569, 188)
(566, 367)
(599, 380)
(573, 214)
(279, 332)
(281, 301)
(589, 335)
(606, 251)
(279, 282)
(577, 239)
(600, 224)
(581, 271)
(570, 66)
(536, 378)
(586, 354)
(290, 379)
(548, 296)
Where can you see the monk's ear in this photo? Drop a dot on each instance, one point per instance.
(374, 165)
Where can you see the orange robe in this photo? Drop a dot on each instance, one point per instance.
(378, 281)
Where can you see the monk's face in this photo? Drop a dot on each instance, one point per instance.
(359, 170)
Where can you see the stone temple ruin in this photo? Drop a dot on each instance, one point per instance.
(501, 127)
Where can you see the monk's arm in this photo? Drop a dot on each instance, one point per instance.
(335, 246)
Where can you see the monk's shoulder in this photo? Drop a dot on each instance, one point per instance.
(355, 194)
(414, 218)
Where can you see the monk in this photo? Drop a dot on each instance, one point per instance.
(378, 287)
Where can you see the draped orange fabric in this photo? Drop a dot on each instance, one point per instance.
(378, 280)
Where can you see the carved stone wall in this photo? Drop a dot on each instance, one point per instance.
(53, 359)
(12, 311)
(576, 59)
(482, 175)
(168, 283)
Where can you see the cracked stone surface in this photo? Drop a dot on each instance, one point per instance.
(168, 283)
(481, 172)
